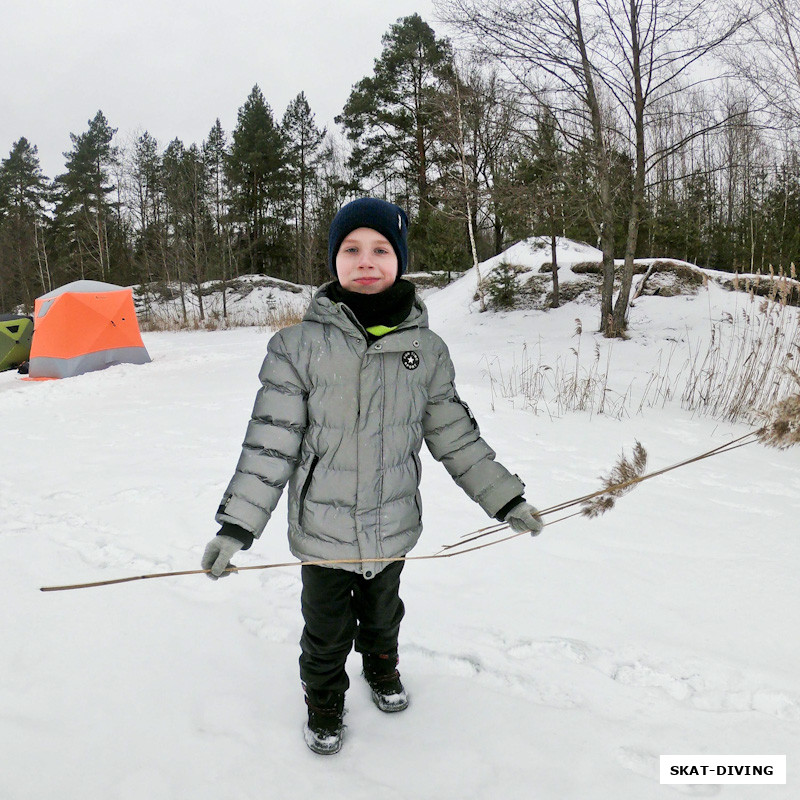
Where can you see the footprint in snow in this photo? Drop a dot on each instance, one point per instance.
(473, 667)
(269, 631)
(704, 685)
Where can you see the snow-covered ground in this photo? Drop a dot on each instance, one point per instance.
(558, 667)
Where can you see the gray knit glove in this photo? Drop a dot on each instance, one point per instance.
(524, 517)
(218, 554)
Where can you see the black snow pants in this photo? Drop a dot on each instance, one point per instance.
(340, 608)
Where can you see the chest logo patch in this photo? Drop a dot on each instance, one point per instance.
(410, 359)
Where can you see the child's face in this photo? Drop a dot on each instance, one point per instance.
(366, 262)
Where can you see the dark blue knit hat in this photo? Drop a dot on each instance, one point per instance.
(369, 212)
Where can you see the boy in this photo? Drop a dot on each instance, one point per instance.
(347, 398)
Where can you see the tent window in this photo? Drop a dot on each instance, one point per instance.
(12, 328)
(45, 307)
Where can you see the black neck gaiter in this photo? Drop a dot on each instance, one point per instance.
(388, 308)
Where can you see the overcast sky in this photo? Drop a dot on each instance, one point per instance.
(173, 66)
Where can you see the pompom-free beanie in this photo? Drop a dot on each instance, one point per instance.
(369, 212)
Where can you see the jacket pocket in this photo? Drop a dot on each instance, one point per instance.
(304, 490)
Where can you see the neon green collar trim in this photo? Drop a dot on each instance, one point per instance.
(380, 330)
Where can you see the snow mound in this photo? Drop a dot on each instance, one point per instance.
(530, 255)
(534, 252)
(249, 300)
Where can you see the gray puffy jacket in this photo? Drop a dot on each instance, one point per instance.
(343, 421)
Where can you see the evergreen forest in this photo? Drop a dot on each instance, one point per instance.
(542, 121)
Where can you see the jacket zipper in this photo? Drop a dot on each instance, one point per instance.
(380, 490)
(304, 490)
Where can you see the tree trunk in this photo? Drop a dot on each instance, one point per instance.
(620, 320)
(556, 302)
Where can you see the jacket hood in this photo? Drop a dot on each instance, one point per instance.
(323, 309)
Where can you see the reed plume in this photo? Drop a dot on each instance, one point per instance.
(782, 428)
(625, 474)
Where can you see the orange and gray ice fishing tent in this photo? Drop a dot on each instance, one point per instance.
(82, 327)
(15, 340)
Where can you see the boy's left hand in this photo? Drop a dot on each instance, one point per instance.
(524, 517)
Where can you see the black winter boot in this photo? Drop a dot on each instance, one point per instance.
(380, 671)
(324, 729)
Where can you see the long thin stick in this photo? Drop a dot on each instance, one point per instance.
(326, 562)
(448, 551)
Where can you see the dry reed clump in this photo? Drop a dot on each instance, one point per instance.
(572, 383)
(281, 316)
(782, 427)
(744, 369)
(625, 474)
(746, 366)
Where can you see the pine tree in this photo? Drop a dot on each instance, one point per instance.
(173, 250)
(390, 115)
(190, 223)
(197, 221)
(83, 210)
(331, 187)
(215, 154)
(146, 181)
(23, 260)
(304, 140)
(258, 175)
(783, 215)
(542, 172)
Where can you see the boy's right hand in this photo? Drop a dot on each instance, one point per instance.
(218, 554)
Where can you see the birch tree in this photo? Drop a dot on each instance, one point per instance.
(547, 48)
(766, 53)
